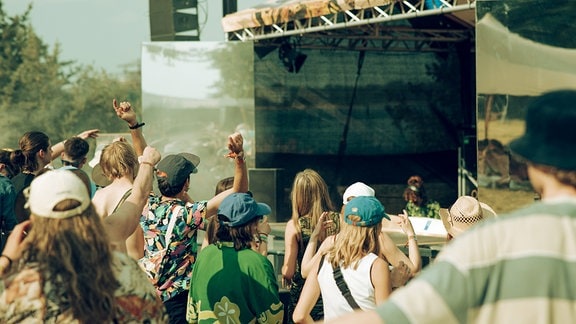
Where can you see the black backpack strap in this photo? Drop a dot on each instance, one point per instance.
(341, 283)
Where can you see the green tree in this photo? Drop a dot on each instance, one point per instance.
(237, 75)
(38, 91)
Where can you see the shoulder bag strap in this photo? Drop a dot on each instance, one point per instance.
(168, 240)
(170, 229)
(341, 283)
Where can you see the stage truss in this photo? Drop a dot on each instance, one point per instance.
(376, 28)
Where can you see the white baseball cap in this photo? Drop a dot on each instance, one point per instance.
(53, 187)
(358, 189)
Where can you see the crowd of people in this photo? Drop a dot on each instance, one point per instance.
(77, 250)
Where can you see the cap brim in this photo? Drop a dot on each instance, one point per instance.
(192, 158)
(263, 209)
(98, 176)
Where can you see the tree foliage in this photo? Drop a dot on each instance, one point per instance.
(39, 91)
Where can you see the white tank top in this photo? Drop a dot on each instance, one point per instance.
(359, 282)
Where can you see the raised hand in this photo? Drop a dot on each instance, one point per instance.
(13, 247)
(151, 155)
(91, 133)
(125, 112)
(235, 145)
(264, 226)
(406, 224)
(324, 223)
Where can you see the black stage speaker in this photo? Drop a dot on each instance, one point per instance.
(169, 17)
(268, 186)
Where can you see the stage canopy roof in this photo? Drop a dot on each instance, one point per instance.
(514, 65)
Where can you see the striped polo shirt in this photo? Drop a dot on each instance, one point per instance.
(518, 268)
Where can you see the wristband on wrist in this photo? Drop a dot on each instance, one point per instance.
(149, 163)
(263, 237)
(138, 125)
(240, 156)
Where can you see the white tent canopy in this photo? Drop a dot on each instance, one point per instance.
(510, 64)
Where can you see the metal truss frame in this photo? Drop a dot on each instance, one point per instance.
(370, 29)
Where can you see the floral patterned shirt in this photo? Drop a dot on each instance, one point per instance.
(25, 299)
(175, 268)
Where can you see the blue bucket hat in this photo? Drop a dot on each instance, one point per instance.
(241, 208)
(364, 211)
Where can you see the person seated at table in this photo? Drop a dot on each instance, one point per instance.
(417, 201)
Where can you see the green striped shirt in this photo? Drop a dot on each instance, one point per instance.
(518, 268)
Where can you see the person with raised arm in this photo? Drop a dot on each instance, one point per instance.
(171, 220)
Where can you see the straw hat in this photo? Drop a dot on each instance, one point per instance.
(464, 213)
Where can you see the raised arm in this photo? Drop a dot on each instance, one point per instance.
(308, 296)
(122, 223)
(264, 231)
(394, 255)
(125, 112)
(306, 265)
(235, 145)
(413, 250)
(13, 247)
(58, 148)
(311, 253)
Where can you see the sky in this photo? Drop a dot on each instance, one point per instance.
(107, 34)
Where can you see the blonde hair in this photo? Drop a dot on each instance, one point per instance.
(309, 198)
(353, 243)
(118, 159)
(74, 256)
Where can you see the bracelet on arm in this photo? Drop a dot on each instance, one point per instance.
(263, 237)
(240, 156)
(138, 125)
(411, 237)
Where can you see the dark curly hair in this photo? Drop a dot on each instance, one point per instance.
(415, 191)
